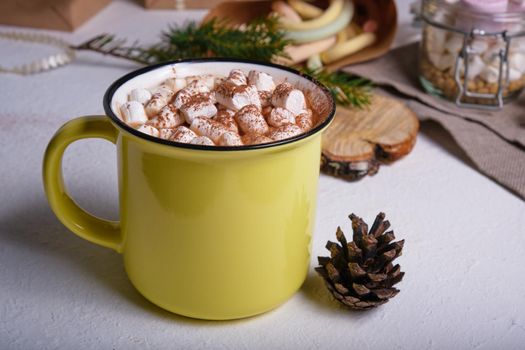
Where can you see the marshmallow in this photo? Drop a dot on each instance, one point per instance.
(434, 58)
(168, 117)
(206, 79)
(219, 81)
(266, 98)
(198, 86)
(475, 66)
(285, 96)
(237, 77)
(154, 106)
(435, 39)
(441, 15)
(195, 87)
(182, 134)
(236, 97)
(261, 80)
(441, 61)
(198, 106)
(492, 52)
(164, 91)
(517, 45)
(202, 140)
(208, 127)
(253, 139)
(159, 99)
(230, 138)
(285, 132)
(166, 134)
(175, 84)
(280, 116)
(305, 120)
(148, 129)
(517, 62)
(453, 45)
(225, 112)
(210, 96)
(182, 97)
(227, 120)
(185, 97)
(250, 120)
(133, 113)
(479, 46)
(514, 74)
(491, 73)
(140, 95)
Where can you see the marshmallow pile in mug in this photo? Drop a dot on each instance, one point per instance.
(226, 111)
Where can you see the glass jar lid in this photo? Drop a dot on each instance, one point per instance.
(489, 17)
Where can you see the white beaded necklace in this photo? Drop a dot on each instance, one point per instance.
(62, 58)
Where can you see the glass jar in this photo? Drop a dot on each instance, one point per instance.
(473, 51)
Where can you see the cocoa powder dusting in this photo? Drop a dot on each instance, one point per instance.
(226, 88)
(282, 90)
(250, 123)
(198, 100)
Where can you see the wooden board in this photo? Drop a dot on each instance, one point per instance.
(359, 140)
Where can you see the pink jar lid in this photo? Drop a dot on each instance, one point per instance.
(517, 4)
(488, 6)
(482, 15)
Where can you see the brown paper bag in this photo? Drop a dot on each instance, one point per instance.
(382, 11)
(49, 14)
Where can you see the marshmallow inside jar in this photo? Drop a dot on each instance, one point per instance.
(464, 49)
(319, 101)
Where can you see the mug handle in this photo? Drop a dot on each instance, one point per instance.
(103, 232)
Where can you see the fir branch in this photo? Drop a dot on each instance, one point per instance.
(348, 90)
(260, 40)
(107, 44)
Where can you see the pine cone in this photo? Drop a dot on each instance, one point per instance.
(360, 274)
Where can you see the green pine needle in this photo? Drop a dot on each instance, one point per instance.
(262, 39)
(259, 40)
(348, 90)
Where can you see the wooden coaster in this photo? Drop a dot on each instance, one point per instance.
(359, 140)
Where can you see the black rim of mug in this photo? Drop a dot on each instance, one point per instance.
(108, 96)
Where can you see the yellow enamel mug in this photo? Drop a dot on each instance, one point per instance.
(206, 232)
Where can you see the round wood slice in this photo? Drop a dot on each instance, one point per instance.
(359, 140)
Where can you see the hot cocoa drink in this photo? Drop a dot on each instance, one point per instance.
(240, 109)
(185, 208)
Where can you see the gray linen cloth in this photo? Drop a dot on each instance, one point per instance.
(493, 140)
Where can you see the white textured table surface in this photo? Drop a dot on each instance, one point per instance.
(464, 255)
